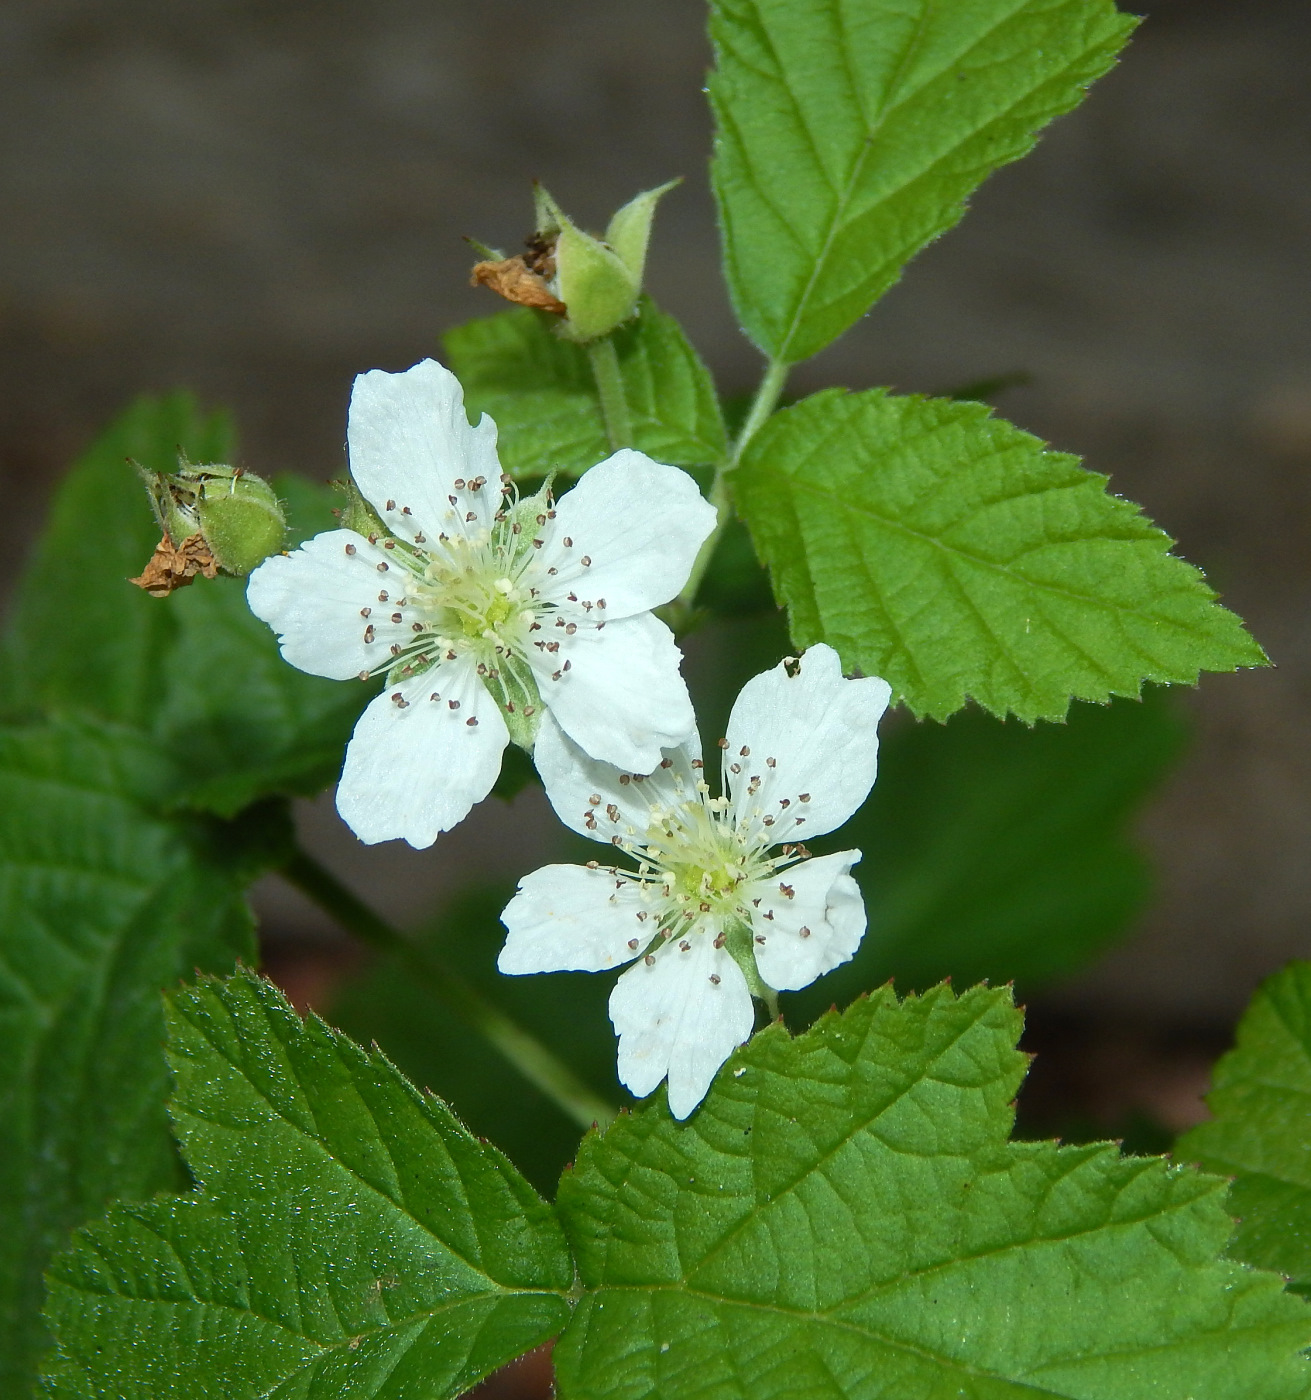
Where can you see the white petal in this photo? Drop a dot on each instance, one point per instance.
(826, 902)
(414, 772)
(639, 522)
(623, 698)
(822, 733)
(566, 918)
(674, 1021)
(323, 603)
(601, 801)
(410, 441)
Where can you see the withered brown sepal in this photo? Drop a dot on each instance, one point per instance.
(174, 566)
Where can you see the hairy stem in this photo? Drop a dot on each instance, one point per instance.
(524, 1051)
(762, 405)
(610, 386)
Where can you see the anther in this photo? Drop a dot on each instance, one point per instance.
(382, 597)
(744, 752)
(472, 721)
(568, 543)
(649, 960)
(805, 797)
(364, 675)
(405, 510)
(633, 944)
(593, 864)
(624, 779)
(784, 802)
(454, 704)
(720, 940)
(391, 505)
(666, 763)
(530, 709)
(416, 626)
(771, 763)
(595, 799)
(434, 696)
(685, 946)
(364, 612)
(394, 649)
(723, 743)
(420, 538)
(459, 483)
(369, 633)
(350, 549)
(714, 979)
(382, 568)
(804, 931)
(788, 891)
(586, 561)
(760, 938)
(469, 516)
(570, 629)
(600, 602)
(734, 768)
(612, 811)
(396, 617)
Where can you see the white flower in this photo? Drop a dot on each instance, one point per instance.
(483, 610)
(725, 900)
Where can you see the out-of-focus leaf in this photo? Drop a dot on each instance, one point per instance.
(102, 903)
(541, 392)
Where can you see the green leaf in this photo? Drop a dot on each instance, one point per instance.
(102, 902)
(350, 1237)
(541, 393)
(998, 852)
(195, 670)
(844, 1217)
(851, 132)
(1261, 1130)
(950, 553)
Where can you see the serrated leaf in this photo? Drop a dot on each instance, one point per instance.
(541, 392)
(195, 670)
(1260, 1133)
(947, 551)
(844, 1217)
(102, 902)
(849, 133)
(350, 1238)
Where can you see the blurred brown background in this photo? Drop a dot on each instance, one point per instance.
(259, 198)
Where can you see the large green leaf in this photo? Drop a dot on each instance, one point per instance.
(102, 903)
(844, 1218)
(947, 551)
(350, 1238)
(541, 392)
(850, 132)
(1261, 1132)
(196, 670)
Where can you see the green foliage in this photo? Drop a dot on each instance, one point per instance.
(1261, 1132)
(850, 133)
(102, 902)
(196, 671)
(998, 852)
(845, 1217)
(567, 1011)
(350, 1238)
(948, 552)
(541, 392)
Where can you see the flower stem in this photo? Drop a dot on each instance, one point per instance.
(762, 405)
(524, 1051)
(610, 386)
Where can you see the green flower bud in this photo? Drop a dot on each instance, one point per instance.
(593, 282)
(226, 518)
(241, 519)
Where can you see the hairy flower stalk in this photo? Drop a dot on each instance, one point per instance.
(725, 901)
(482, 610)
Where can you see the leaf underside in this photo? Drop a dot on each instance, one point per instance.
(849, 134)
(950, 553)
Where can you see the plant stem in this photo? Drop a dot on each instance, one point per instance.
(762, 405)
(610, 386)
(524, 1051)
